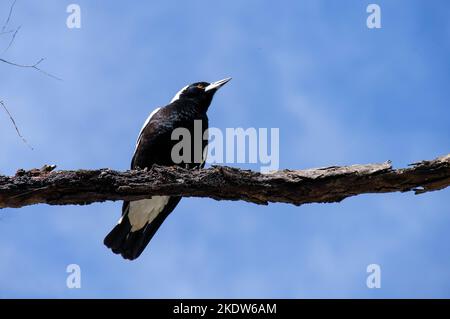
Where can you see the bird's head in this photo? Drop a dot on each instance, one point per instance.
(200, 92)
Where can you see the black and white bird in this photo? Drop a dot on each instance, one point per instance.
(141, 219)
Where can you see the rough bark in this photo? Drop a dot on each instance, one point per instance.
(329, 184)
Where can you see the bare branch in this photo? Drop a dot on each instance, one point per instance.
(32, 66)
(15, 32)
(11, 8)
(322, 185)
(15, 125)
(12, 40)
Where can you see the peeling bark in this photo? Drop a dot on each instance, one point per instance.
(321, 185)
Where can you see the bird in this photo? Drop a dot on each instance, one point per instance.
(141, 219)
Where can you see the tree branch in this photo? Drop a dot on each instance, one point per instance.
(330, 184)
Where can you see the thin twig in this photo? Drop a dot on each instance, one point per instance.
(9, 15)
(12, 40)
(15, 125)
(32, 66)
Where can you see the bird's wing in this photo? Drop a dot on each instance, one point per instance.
(142, 218)
(146, 123)
(147, 131)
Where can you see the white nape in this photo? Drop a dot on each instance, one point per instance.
(177, 96)
(145, 211)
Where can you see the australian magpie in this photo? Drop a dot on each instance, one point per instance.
(141, 219)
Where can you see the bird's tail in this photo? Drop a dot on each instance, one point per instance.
(122, 241)
(130, 244)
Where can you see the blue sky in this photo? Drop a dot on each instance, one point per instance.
(339, 92)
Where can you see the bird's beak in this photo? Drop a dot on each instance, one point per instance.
(217, 85)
